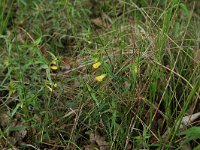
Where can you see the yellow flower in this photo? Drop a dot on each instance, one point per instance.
(21, 104)
(54, 67)
(96, 65)
(100, 78)
(55, 85)
(135, 69)
(50, 89)
(54, 62)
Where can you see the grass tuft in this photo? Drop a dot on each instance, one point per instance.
(99, 74)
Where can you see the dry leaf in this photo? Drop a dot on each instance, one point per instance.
(98, 22)
(67, 63)
(95, 138)
(4, 119)
(91, 147)
(18, 136)
(187, 120)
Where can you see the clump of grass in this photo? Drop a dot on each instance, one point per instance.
(144, 81)
(6, 10)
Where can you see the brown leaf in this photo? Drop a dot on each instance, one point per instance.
(18, 136)
(187, 120)
(98, 22)
(67, 63)
(4, 119)
(90, 147)
(95, 138)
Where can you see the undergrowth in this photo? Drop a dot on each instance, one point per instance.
(104, 74)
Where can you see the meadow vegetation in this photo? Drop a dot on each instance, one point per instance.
(109, 74)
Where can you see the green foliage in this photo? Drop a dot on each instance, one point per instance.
(5, 14)
(148, 73)
(190, 134)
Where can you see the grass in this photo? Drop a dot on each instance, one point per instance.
(147, 52)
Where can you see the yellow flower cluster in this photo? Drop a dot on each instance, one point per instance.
(96, 65)
(52, 87)
(54, 65)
